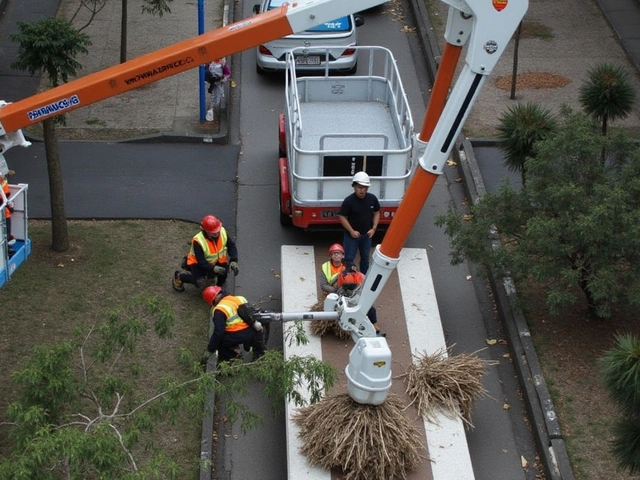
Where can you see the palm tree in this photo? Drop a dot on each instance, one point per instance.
(621, 373)
(50, 46)
(607, 94)
(518, 131)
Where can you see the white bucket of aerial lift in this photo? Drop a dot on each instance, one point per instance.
(369, 371)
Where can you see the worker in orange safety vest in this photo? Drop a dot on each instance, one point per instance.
(8, 210)
(213, 252)
(232, 325)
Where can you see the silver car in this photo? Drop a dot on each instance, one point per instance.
(337, 38)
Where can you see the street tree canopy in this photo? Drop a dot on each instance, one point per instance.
(575, 223)
(85, 411)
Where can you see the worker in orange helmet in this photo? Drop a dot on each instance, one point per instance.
(213, 252)
(347, 283)
(232, 325)
(332, 268)
(8, 210)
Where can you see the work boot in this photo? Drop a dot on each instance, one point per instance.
(380, 333)
(177, 284)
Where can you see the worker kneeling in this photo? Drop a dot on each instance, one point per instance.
(233, 325)
(213, 252)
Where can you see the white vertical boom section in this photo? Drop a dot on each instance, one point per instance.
(492, 26)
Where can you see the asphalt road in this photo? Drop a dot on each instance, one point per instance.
(103, 180)
(500, 435)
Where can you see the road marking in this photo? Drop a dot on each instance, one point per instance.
(299, 294)
(446, 438)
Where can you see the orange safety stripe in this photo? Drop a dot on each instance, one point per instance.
(154, 66)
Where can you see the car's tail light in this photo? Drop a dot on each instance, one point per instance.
(264, 50)
(348, 52)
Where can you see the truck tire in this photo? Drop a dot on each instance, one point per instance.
(285, 220)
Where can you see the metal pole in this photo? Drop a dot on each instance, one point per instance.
(201, 83)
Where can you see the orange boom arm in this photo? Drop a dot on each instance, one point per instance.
(146, 69)
(237, 37)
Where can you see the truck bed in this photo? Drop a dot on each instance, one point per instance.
(369, 126)
(336, 126)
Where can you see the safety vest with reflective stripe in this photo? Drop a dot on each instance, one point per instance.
(214, 252)
(330, 272)
(229, 306)
(7, 192)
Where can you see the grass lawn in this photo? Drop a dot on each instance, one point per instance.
(108, 264)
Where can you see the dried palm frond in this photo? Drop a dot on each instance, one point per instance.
(365, 441)
(318, 306)
(324, 327)
(446, 384)
(321, 327)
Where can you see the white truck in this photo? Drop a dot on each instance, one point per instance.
(335, 126)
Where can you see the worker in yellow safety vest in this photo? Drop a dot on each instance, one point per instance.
(213, 252)
(232, 323)
(332, 268)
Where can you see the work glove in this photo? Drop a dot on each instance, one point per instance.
(234, 266)
(218, 270)
(258, 326)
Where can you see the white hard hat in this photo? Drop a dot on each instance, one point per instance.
(361, 178)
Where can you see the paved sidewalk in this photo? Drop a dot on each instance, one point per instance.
(170, 107)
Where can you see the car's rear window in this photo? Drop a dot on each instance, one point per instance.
(342, 24)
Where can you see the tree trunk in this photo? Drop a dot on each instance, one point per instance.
(123, 33)
(59, 230)
(592, 305)
(514, 72)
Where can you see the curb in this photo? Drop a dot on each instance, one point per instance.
(207, 462)
(546, 429)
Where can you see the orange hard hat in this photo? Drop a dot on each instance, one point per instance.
(209, 294)
(336, 247)
(350, 279)
(211, 224)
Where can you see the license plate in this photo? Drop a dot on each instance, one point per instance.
(328, 214)
(308, 60)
